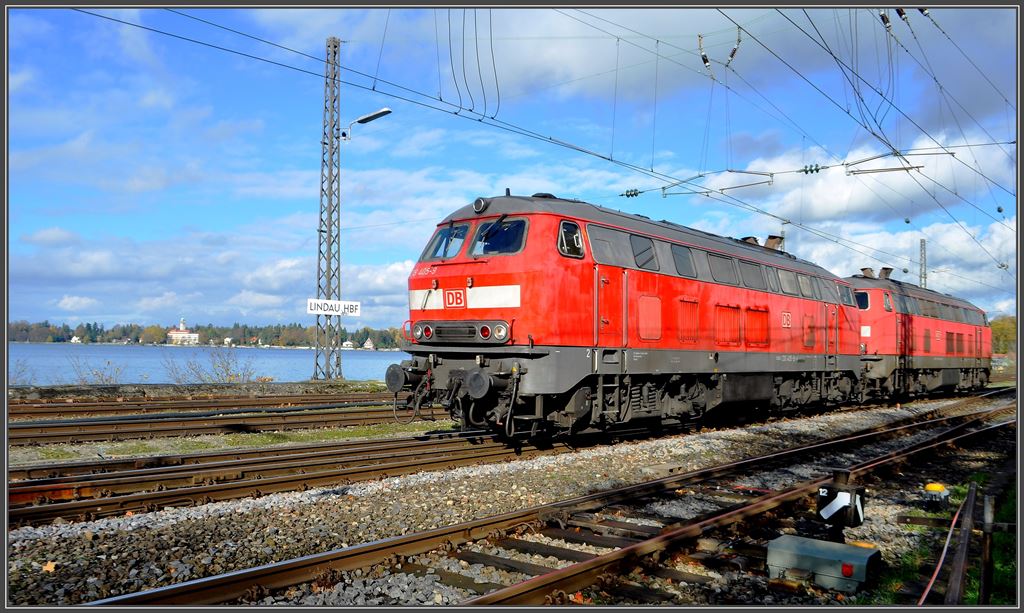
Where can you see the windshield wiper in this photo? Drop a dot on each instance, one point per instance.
(487, 233)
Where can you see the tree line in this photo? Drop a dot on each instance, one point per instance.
(287, 335)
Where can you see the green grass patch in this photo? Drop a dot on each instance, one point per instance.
(131, 448)
(905, 571)
(55, 453)
(261, 439)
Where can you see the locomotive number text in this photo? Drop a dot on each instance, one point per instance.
(455, 298)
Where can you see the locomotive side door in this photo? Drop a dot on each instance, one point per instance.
(609, 298)
(831, 320)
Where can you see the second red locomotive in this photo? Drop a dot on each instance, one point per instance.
(539, 314)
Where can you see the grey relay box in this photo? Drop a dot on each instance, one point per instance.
(834, 565)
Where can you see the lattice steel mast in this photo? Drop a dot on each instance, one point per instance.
(328, 327)
(924, 266)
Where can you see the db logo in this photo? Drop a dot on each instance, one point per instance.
(454, 298)
(787, 319)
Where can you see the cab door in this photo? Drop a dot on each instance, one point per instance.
(609, 306)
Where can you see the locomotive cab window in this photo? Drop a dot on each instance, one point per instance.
(643, 252)
(447, 242)
(499, 237)
(862, 300)
(570, 240)
(722, 269)
(773, 278)
(807, 286)
(684, 261)
(845, 295)
(887, 301)
(752, 275)
(789, 282)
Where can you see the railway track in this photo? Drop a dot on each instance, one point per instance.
(600, 519)
(22, 409)
(90, 490)
(233, 420)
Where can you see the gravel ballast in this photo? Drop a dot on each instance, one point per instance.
(63, 564)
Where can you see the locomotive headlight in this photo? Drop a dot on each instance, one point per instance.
(427, 332)
(417, 331)
(500, 332)
(485, 332)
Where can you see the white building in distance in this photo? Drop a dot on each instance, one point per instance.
(182, 335)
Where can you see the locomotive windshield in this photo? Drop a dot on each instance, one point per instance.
(498, 237)
(447, 242)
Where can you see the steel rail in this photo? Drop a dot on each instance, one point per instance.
(583, 574)
(201, 494)
(66, 494)
(108, 466)
(28, 409)
(70, 432)
(233, 585)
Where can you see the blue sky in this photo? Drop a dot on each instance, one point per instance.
(152, 178)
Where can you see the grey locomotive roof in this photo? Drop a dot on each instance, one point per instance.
(908, 289)
(584, 210)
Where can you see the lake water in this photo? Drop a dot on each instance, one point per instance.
(54, 363)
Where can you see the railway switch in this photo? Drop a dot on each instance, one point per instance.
(831, 565)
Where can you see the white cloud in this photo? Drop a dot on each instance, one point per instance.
(154, 303)
(19, 79)
(248, 300)
(76, 303)
(283, 274)
(157, 99)
(420, 143)
(50, 236)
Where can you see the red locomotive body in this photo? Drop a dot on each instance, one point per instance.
(917, 340)
(539, 313)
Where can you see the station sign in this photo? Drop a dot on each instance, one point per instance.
(319, 306)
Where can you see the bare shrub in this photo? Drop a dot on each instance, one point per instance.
(88, 374)
(19, 373)
(224, 366)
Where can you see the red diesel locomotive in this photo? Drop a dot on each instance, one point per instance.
(918, 341)
(539, 314)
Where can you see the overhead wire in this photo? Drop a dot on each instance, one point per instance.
(927, 14)
(999, 264)
(479, 74)
(451, 60)
(873, 88)
(472, 102)
(879, 134)
(381, 54)
(494, 62)
(824, 44)
(498, 124)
